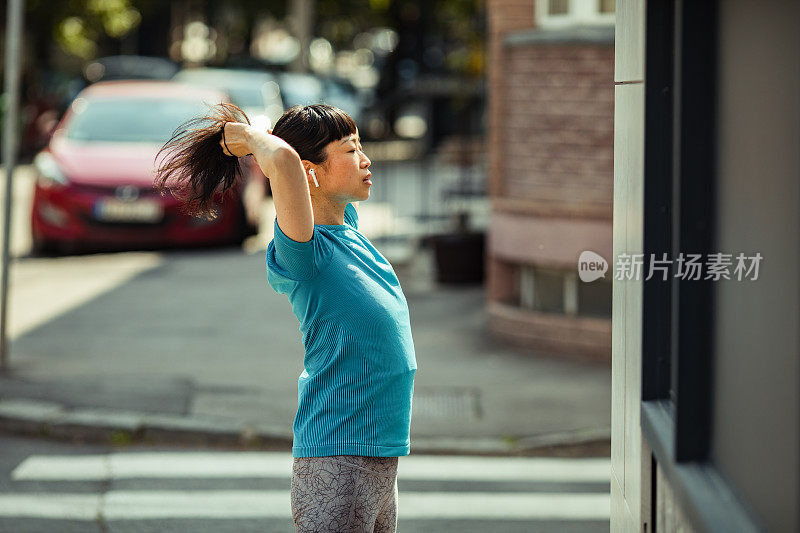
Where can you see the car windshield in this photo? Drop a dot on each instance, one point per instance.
(245, 95)
(131, 120)
(244, 90)
(298, 89)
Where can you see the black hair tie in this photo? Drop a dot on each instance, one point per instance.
(225, 143)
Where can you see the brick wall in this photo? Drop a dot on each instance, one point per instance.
(503, 16)
(551, 111)
(557, 126)
(550, 172)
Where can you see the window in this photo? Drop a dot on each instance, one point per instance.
(594, 298)
(679, 201)
(659, 231)
(680, 205)
(558, 7)
(542, 289)
(566, 13)
(552, 290)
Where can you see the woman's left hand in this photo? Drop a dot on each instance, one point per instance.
(234, 140)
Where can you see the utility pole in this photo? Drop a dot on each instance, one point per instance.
(11, 90)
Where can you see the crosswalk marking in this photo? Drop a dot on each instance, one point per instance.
(135, 505)
(142, 504)
(64, 506)
(231, 504)
(505, 505)
(279, 464)
(458, 468)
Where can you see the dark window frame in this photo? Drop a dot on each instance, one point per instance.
(694, 147)
(679, 216)
(658, 213)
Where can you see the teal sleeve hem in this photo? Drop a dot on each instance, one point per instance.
(288, 241)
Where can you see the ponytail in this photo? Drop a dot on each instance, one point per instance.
(194, 168)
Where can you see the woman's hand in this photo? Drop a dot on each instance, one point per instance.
(235, 139)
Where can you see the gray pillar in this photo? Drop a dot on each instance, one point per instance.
(301, 23)
(10, 141)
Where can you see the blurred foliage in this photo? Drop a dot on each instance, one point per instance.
(341, 20)
(86, 28)
(77, 25)
(461, 23)
(464, 22)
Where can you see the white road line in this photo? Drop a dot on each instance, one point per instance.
(279, 465)
(63, 506)
(155, 465)
(458, 468)
(137, 505)
(505, 505)
(67, 468)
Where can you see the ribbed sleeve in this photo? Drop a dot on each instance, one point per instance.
(300, 261)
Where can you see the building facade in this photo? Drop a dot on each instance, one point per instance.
(705, 372)
(550, 172)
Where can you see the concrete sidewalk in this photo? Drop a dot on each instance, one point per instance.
(148, 383)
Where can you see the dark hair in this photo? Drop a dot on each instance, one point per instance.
(194, 166)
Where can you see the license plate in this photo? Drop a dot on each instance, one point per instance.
(112, 210)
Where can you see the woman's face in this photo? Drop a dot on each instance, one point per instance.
(347, 166)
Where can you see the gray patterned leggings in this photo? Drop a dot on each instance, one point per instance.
(344, 493)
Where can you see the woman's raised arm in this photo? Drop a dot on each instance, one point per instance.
(281, 164)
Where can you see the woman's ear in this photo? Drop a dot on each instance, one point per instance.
(310, 171)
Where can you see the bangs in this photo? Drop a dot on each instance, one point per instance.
(326, 124)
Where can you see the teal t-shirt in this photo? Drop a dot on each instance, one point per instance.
(354, 394)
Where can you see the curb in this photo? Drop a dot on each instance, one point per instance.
(49, 419)
(37, 418)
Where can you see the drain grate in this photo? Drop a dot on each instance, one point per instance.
(447, 402)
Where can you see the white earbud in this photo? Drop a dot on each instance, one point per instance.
(314, 176)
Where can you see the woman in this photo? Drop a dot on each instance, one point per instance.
(354, 394)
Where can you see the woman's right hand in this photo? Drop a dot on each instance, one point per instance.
(235, 139)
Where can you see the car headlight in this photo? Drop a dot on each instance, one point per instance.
(49, 172)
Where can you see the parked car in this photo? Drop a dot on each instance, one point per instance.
(299, 88)
(94, 183)
(129, 67)
(255, 92)
(341, 93)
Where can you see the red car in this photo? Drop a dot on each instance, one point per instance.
(94, 185)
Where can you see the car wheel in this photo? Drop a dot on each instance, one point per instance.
(44, 247)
